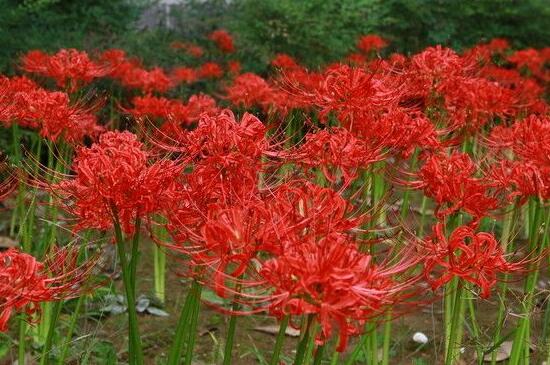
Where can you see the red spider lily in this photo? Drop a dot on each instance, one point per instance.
(70, 68)
(190, 48)
(284, 62)
(484, 52)
(528, 94)
(336, 148)
(371, 42)
(234, 67)
(528, 139)
(349, 93)
(249, 90)
(528, 172)
(472, 102)
(117, 62)
(210, 70)
(402, 132)
(529, 58)
(450, 181)
(185, 75)
(13, 93)
(299, 208)
(223, 40)
(474, 257)
(225, 243)
(521, 179)
(147, 81)
(428, 68)
(201, 104)
(357, 59)
(332, 279)
(227, 162)
(437, 63)
(194, 50)
(113, 176)
(131, 75)
(51, 112)
(223, 135)
(25, 282)
(159, 108)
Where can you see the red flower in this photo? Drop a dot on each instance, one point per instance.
(147, 81)
(25, 282)
(201, 104)
(331, 278)
(226, 157)
(300, 208)
(450, 181)
(529, 58)
(351, 94)
(194, 50)
(185, 75)
(474, 257)
(523, 150)
(249, 90)
(284, 62)
(336, 148)
(210, 70)
(28, 105)
(161, 108)
(223, 40)
(190, 48)
(234, 67)
(371, 42)
(473, 102)
(114, 176)
(115, 60)
(70, 68)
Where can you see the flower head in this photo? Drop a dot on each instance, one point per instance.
(114, 179)
(474, 257)
(223, 40)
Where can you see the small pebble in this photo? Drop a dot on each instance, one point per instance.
(419, 337)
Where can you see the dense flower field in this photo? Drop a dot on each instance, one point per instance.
(333, 200)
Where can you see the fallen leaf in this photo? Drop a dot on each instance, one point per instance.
(142, 304)
(502, 352)
(6, 242)
(274, 329)
(157, 312)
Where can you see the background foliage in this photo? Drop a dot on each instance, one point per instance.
(316, 31)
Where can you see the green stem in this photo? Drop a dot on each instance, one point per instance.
(159, 257)
(229, 341)
(70, 331)
(22, 340)
(335, 358)
(520, 347)
(231, 330)
(192, 333)
(279, 341)
(134, 258)
(475, 328)
(509, 218)
(319, 355)
(373, 345)
(179, 338)
(135, 351)
(453, 351)
(45, 358)
(303, 344)
(387, 339)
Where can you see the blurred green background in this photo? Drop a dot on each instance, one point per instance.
(314, 31)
